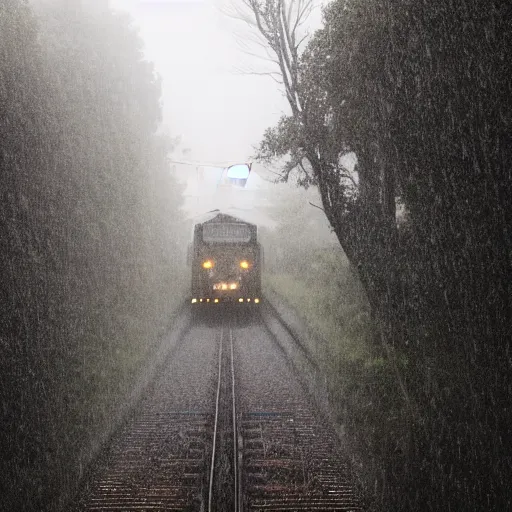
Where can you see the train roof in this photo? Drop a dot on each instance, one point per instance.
(217, 216)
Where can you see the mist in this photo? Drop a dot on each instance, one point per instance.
(380, 185)
(217, 110)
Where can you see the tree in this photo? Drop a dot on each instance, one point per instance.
(89, 224)
(360, 207)
(421, 94)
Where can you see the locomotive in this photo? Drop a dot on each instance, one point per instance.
(225, 257)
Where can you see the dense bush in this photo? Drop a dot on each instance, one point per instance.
(89, 231)
(424, 97)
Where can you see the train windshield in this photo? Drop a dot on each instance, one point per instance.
(226, 233)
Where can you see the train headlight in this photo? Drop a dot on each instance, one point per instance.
(225, 286)
(208, 264)
(244, 264)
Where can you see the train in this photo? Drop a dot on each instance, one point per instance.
(226, 260)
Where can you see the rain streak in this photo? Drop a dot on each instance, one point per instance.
(256, 255)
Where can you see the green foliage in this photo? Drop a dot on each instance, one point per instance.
(329, 303)
(421, 93)
(89, 231)
(363, 390)
(422, 84)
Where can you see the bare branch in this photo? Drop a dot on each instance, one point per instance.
(253, 5)
(281, 177)
(316, 206)
(261, 57)
(242, 42)
(274, 75)
(301, 165)
(302, 14)
(289, 46)
(296, 48)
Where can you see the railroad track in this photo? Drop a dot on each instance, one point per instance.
(224, 485)
(291, 457)
(226, 428)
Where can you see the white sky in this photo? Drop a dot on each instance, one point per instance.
(220, 114)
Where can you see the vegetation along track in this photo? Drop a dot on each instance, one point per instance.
(226, 427)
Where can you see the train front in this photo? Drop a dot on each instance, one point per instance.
(226, 265)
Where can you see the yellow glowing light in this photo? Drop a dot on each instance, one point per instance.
(240, 300)
(248, 300)
(194, 301)
(208, 264)
(233, 286)
(216, 300)
(257, 301)
(244, 264)
(207, 300)
(224, 286)
(200, 300)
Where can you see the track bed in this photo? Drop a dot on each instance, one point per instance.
(291, 459)
(226, 426)
(160, 458)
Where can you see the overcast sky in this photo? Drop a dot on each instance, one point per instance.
(219, 113)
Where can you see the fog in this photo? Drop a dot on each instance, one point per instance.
(217, 96)
(218, 110)
(398, 104)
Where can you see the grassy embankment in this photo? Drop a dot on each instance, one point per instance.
(113, 348)
(128, 334)
(129, 337)
(363, 390)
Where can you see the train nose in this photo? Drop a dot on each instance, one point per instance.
(227, 272)
(226, 280)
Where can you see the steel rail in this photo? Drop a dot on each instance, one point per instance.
(216, 421)
(237, 478)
